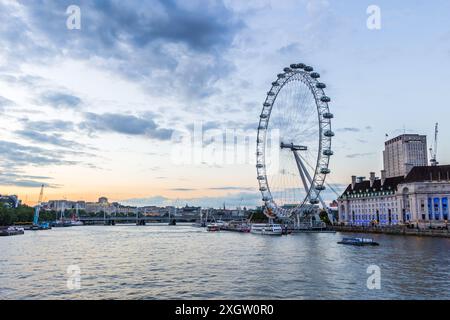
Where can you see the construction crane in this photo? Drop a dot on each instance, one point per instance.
(433, 150)
(37, 209)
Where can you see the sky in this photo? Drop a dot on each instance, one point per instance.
(98, 111)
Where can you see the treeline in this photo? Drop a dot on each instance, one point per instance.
(259, 217)
(9, 216)
(25, 215)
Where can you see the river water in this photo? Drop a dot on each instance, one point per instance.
(183, 262)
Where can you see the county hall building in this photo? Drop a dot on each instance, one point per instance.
(408, 191)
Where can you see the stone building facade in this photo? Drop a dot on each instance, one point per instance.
(420, 198)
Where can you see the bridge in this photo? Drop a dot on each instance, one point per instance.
(111, 220)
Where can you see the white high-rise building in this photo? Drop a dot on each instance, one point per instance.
(404, 152)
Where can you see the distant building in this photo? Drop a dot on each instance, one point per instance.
(404, 152)
(11, 201)
(333, 211)
(189, 211)
(58, 205)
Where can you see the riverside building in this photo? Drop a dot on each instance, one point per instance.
(417, 195)
(404, 152)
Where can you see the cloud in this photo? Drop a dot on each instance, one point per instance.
(182, 189)
(290, 49)
(354, 129)
(176, 44)
(359, 155)
(249, 199)
(54, 139)
(231, 188)
(5, 102)
(124, 124)
(348, 129)
(50, 126)
(58, 100)
(14, 154)
(27, 181)
(154, 201)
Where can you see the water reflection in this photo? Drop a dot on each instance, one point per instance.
(162, 262)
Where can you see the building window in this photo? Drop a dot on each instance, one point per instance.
(437, 212)
(445, 208)
(430, 209)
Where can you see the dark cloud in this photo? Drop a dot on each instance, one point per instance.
(57, 99)
(27, 181)
(54, 139)
(13, 154)
(179, 45)
(124, 124)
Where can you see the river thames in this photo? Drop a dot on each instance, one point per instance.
(183, 262)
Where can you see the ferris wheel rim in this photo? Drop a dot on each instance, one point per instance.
(305, 74)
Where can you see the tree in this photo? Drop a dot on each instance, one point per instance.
(324, 217)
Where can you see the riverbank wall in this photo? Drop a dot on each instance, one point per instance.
(401, 231)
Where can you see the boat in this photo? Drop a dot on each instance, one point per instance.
(75, 222)
(11, 231)
(359, 242)
(40, 226)
(61, 224)
(236, 226)
(270, 229)
(172, 221)
(199, 225)
(213, 227)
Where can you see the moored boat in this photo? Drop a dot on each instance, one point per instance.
(61, 223)
(213, 227)
(270, 229)
(11, 231)
(236, 226)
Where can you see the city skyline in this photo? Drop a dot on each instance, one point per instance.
(92, 112)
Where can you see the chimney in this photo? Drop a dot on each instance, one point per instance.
(372, 179)
(353, 182)
(383, 177)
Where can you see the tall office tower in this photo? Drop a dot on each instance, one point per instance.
(404, 152)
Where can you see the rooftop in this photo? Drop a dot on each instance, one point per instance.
(417, 174)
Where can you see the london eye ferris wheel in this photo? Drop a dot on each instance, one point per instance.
(296, 107)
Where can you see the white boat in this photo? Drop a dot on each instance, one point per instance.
(270, 229)
(213, 227)
(74, 223)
